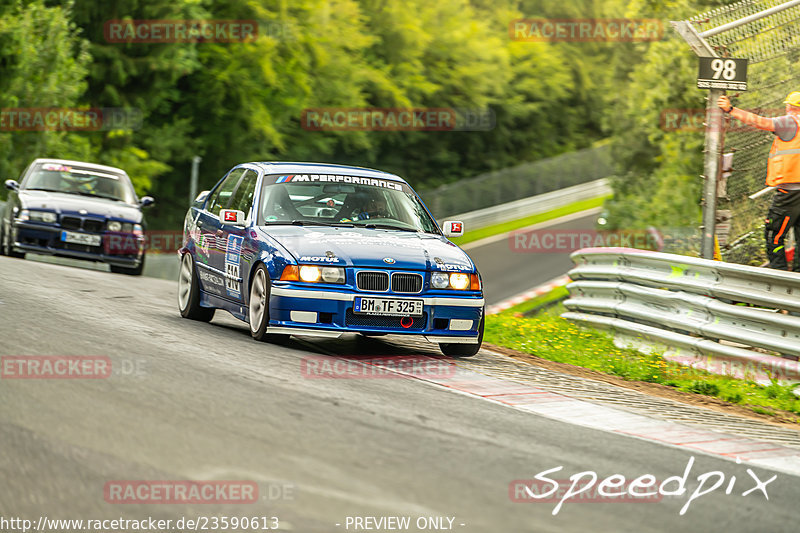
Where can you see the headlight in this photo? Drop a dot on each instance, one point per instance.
(114, 226)
(440, 280)
(127, 227)
(313, 274)
(38, 216)
(333, 275)
(309, 274)
(459, 281)
(456, 281)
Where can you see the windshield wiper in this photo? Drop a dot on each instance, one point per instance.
(84, 193)
(81, 193)
(307, 223)
(389, 226)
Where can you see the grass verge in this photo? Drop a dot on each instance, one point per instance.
(497, 229)
(550, 337)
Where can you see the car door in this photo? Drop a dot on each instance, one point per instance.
(211, 245)
(238, 251)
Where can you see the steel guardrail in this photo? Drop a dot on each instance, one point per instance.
(731, 311)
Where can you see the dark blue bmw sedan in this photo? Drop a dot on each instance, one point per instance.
(78, 210)
(314, 249)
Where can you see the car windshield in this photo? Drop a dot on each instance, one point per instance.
(57, 177)
(342, 200)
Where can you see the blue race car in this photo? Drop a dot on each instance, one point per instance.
(316, 249)
(78, 210)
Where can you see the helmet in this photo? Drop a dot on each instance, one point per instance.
(793, 99)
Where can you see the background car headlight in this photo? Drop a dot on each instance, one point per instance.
(459, 281)
(38, 216)
(440, 280)
(114, 226)
(309, 273)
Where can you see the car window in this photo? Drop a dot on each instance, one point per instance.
(243, 197)
(221, 196)
(73, 179)
(349, 200)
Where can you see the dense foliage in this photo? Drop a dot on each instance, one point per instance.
(239, 101)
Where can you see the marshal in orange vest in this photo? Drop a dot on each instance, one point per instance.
(783, 165)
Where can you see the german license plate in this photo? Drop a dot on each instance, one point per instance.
(81, 238)
(387, 307)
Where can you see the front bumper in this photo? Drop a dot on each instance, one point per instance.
(43, 239)
(328, 312)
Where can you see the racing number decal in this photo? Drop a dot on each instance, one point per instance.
(233, 255)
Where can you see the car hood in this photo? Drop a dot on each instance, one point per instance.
(73, 203)
(362, 247)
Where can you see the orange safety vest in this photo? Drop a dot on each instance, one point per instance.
(783, 165)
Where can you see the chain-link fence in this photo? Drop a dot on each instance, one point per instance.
(772, 46)
(521, 181)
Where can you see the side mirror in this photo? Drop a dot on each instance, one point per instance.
(12, 185)
(231, 216)
(201, 197)
(453, 228)
(147, 201)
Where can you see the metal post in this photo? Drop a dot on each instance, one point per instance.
(193, 183)
(711, 170)
(713, 143)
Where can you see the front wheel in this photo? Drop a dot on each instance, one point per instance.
(463, 350)
(258, 310)
(189, 293)
(5, 245)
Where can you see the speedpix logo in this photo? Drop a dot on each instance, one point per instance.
(645, 488)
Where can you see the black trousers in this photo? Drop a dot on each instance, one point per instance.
(783, 214)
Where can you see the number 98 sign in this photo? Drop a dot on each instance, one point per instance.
(722, 73)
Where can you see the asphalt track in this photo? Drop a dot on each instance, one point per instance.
(507, 271)
(198, 401)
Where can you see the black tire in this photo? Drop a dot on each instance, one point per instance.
(463, 350)
(189, 293)
(129, 271)
(258, 307)
(5, 245)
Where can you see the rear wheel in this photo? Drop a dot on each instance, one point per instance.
(129, 271)
(189, 293)
(258, 310)
(463, 350)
